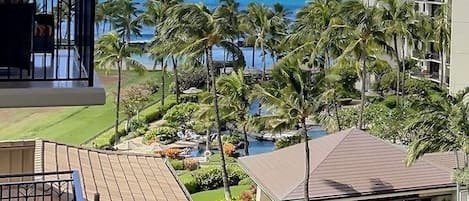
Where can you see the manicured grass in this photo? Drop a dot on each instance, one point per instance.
(68, 124)
(218, 194)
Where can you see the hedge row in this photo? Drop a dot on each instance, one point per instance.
(150, 114)
(210, 177)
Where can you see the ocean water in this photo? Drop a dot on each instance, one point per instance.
(290, 5)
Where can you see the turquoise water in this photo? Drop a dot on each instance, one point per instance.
(290, 5)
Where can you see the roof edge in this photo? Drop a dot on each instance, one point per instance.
(257, 181)
(181, 185)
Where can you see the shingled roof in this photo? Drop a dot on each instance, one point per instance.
(114, 175)
(346, 164)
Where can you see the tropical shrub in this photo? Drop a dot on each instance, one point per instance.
(177, 164)
(157, 111)
(390, 101)
(164, 135)
(235, 174)
(189, 182)
(229, 149)
(245, 181)
(191, 164)
(246, 196)
(208, 178)
(232, 139)
(152, 85)
(420, 87)
(288, 141)
(181, 114)
(170, 153)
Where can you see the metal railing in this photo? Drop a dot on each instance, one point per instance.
(61, 186)
(57, 41)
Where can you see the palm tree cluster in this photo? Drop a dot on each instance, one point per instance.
(311, 53)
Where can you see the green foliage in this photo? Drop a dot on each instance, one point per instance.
(215, 158)
(245, 181)
(210, 177)
(420, 87)
(390, 101)
(218, 194)
(346, 82)
(157, 111)
(152, 85)
(192, 77)
(288, 141)
(461, 176)
(163, 134)
(181, 114)
(177, 164)
(189, 182)
(232, 139)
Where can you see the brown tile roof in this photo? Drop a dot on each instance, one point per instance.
(445, 160)
(346, 164)
(116, 176)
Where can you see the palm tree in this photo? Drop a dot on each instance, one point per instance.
(206, 28)
(366, 40)
(442, 37)
(127, 19)
(398, 16)
(258, 20)
(155, 15)
(292, 104)
(235, 93)
(112, 52)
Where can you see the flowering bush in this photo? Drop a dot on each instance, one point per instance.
(170, 153)
(246, 196)
(191, 164)
(229, 149)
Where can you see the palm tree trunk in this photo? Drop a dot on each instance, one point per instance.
(404, 39)
(119, 77)
(208, 141)
(226, 185)
(163, 73)
(398, 69)
(176, 79)
(336, 111)
(307, 164)
(208, 69)
(253, 56)
(246, 141)
(442, 70)
(363, 97)
(263, 62)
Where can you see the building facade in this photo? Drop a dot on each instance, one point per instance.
(459, 73)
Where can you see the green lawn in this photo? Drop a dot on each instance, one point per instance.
(218, 194)
(68, 124)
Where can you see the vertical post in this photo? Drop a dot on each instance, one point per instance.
(76, 186)
(91, 4)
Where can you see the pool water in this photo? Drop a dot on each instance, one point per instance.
(259, 147)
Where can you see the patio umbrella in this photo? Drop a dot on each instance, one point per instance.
(192, 90)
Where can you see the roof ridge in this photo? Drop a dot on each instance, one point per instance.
(347, 133)
(99, 150)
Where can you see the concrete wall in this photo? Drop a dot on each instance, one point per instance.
(459, 73)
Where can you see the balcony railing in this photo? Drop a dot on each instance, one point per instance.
(47, 40)
(61, 186)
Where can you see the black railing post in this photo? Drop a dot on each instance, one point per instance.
(91, 4)
(96, 197)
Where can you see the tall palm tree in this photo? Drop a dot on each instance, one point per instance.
(112, 52)
(259, 21)
(292, 104)
(398, 16)
(155, 15)
(207, 28)
(366, 40)
(127, 19)
(442, 37)
(235, 94)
